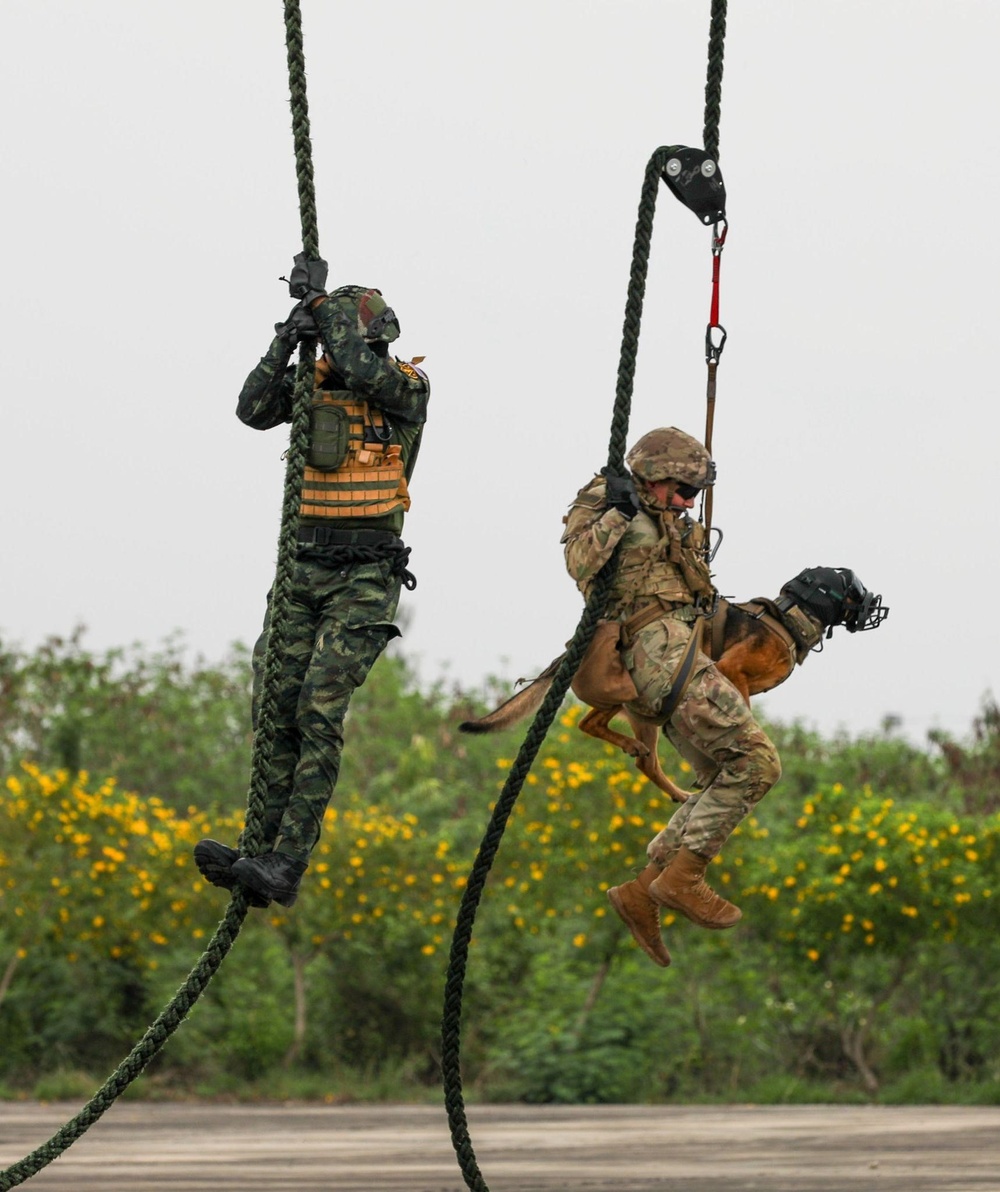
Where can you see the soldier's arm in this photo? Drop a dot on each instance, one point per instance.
(384, 384)
(266, 397)
(592, 533)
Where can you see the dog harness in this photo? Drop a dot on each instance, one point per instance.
(799, 632)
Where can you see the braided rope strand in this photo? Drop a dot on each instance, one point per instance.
(300, 128)
(174, 1013)
(713, 82)
(251, 841)
(168, 1021)
(451, 1020)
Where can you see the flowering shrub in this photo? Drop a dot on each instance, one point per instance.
(845, 892)
(87, 867)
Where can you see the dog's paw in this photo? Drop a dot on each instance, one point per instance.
(636, 749)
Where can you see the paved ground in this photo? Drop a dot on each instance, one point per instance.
(211, 1148)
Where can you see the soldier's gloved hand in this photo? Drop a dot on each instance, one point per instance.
(308, 278)
(299, 325)
(621, 493)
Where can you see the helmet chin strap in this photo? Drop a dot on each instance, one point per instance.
(649, 502)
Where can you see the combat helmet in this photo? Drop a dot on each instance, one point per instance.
(669, 454)
(377, 322)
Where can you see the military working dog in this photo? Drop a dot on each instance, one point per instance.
(756, 645)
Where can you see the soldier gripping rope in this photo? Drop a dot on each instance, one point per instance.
(368, 415)
(662, 588)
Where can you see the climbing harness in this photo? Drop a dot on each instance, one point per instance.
(251, 841)
(596, 601)
(347, 547)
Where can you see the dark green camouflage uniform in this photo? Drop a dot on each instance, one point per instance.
(341, 614)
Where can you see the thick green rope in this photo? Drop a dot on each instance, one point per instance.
(451, 1023)
(174, 1013)
(251, 841)
(713, 83)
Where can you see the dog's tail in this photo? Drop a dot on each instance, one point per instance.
(525, 702)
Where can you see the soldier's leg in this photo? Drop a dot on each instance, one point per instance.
(715, 718)
(214, 859)
(652, 660)
(299, 636)
(355, 625)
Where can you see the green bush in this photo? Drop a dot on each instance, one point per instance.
(863, 969)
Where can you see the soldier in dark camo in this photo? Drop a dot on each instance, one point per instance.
(349, 566)
(662, 563)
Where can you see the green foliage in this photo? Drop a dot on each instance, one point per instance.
(863, 968)
(167, 729)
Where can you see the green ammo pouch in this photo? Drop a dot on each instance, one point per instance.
(329, 435)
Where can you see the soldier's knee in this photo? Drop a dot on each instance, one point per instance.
(767, 763)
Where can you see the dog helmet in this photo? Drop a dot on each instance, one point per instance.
(837, 597)
(669, 454)
(377, 322)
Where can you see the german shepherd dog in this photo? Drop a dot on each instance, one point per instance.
(756, 645)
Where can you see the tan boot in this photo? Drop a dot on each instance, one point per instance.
(682, 887)
(640, 914)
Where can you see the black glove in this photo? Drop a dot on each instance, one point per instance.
(308, 279)
(621, 493)
(300, 325)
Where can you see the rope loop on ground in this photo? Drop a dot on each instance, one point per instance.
(225, 935)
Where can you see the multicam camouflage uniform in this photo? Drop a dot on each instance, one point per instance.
(661, 561)
(341, 613)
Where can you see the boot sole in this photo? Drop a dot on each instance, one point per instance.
(620, 910)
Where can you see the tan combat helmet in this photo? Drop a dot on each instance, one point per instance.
(669, 454)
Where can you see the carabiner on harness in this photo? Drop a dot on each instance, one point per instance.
(710, 550)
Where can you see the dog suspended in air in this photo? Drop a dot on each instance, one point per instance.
(756, 645)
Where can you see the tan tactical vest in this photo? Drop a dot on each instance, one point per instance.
(350, 470)
(661, 557)
(656, 562)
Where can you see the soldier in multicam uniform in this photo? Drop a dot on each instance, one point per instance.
(368, 414)
(662, 585)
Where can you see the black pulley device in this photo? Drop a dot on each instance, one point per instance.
(695, 178)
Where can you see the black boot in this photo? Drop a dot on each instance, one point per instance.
(215, 864)
(273, 876)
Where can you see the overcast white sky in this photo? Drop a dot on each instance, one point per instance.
(481, 164)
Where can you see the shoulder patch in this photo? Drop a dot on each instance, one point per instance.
(410, 369)
(592, 495)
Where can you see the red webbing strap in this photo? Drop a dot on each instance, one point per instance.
(715, 339)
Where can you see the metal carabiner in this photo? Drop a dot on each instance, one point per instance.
(712, 551)
(713, 350)
(719, 238)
